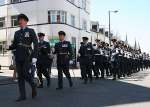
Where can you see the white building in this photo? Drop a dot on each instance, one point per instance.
(98, 33)
(47, 16)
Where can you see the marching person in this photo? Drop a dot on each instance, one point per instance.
(78, 60)
(43, 60)
(114, 59)
(86, 59)
(97, 58)
(107, 58)
(103, 60)
(95, 68)
(25, 55)
(63, 51)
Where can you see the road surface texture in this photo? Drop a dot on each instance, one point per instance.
(129, 92)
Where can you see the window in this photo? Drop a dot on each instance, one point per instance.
(2, 22)
(2, 2)
(84, 25)
(2, 47)
(55, 16)
(15, 1)
(72, 20)
(72, 1)
(14, 21)
(84, 4)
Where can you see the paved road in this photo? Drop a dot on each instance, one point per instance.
(131, 92)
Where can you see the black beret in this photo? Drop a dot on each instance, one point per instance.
(107, 44)
(94, 44)
(23, 16)
(61, 33)
(41, 34)
(102, 42)
(114, 40)
(85, 38)
(81, 43)
(97, 40)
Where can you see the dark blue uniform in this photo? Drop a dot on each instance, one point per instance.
(23, 40)
(44, 62)
(86, 60)
(63, 50)
(114, 62)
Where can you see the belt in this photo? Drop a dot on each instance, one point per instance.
(97, 54)
(87, 55)
(24, 45)
(63, 53)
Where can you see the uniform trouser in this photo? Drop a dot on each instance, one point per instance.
(100, 66)
(63, 69)
(115, 69)
(45, 71)
(24, 75)
(86, 69)
(95, 71)
(106, 67)
(50, 66)
(102, 69)
(82, 74)
(122, 69)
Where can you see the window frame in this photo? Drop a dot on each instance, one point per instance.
(57, 16)
(72, 20)
(13, 24)
(3, 21)
(15, 1)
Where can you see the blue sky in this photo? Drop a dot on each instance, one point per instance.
(133, 18)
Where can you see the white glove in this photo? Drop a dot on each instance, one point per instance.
(34, 60)
(70, 62)
(93, 63)
(78, 55)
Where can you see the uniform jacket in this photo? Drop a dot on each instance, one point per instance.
(44, 54)
(64, 52)
(22, 42)
(86, 52)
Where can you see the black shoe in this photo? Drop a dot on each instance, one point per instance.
(124, 75)
(96, 78)
(40, 86)
(81, 78)
(114, 79)
(91, 80)
(59, 88)
(21, 99)
(34, 92)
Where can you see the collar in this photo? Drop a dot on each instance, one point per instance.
(23, 28)
(41, 42)
(62, 41)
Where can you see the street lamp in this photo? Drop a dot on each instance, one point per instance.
(116, 11)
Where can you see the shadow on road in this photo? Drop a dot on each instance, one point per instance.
(100, 93)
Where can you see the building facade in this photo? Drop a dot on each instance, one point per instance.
(48, 16)
(98, 32)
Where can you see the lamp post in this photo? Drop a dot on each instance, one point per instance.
(109, 12)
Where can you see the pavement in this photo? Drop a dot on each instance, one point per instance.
(129, 92)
